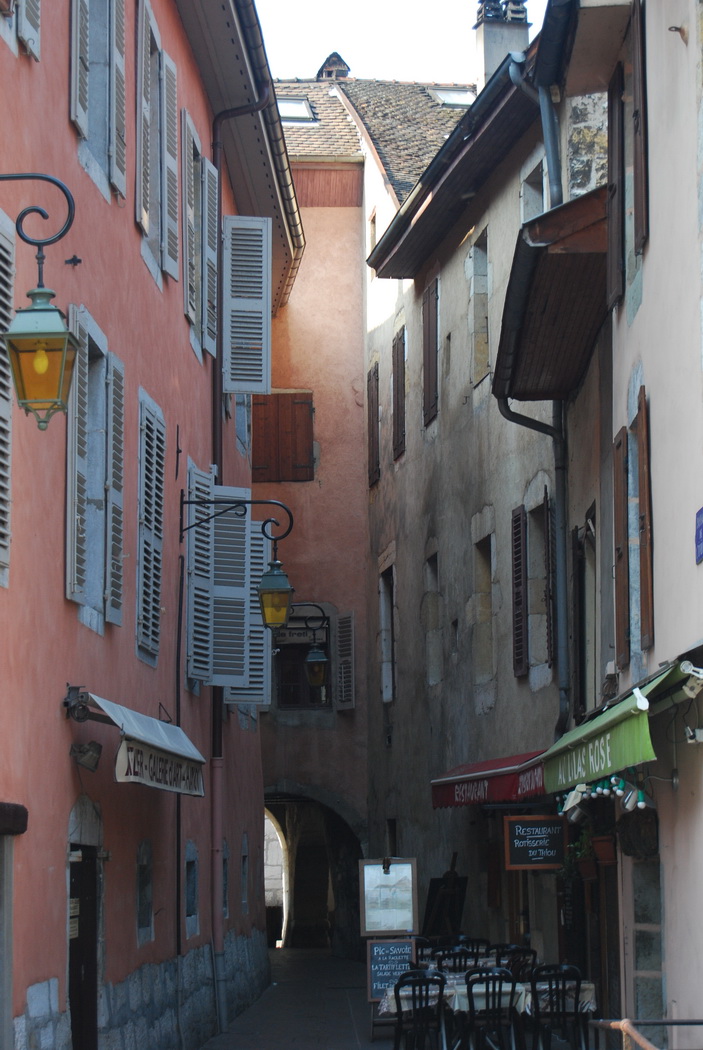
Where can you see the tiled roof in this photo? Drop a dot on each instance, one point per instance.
(405, 122)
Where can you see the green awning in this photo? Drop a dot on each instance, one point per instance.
(611, 742)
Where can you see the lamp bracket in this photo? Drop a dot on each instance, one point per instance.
(239, 508)
(33, 209)
(77, 704)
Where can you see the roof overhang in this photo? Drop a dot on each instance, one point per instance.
(226, 41)
(555, 303)
(600, 30)
(512, 779)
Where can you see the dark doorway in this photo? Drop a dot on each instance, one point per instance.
(83, 947)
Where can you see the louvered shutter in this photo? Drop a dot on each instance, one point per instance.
(247, 305)
(210, 244)
(114, 491)
(152, 450)
(549, 574)
(143, 169)
(640, 178)
(399, 393)
(645, 525)
(29, 26)
(344, 696)
(231, 592)
(430, 335)
(373, 424)
(520, 610)
(6, 286)
(169, 166)
(622, 560)
(615, 262)
(191, 143)
(200, 575)
(118, 99)
(258, 688)
(80, 64)
(77, 465)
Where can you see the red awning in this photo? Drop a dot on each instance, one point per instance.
(509, 779)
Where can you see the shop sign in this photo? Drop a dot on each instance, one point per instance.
(139, 763)
(534, 842)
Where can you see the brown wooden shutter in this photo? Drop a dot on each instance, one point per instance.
(372, 420)
(615, 272)
(399, 393)
(282, 437)
(520, 611)
(577, 595)
(639, 128)
(549, 578)
(264, 438)
(622, 568)
(645, 524)
(430, 301)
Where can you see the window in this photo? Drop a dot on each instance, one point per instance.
(247, 304)
(191, 890)
(7, 269)
(244, 881)
(430, 350)
(386, 633)
(459, 98)
(399, 393)
(282, 437)
(478, 311)
(95, 477)
(150, 528)
(483, 643)
(639, 129)
(293, 643)
(145, 891)
(98, 89)
(200, 239)
(157, 145)
(24, 28)
(295, 111)
(225, 878)
(431, 620)
(532, 193)
(585, 597)
(533, 597)
(373, 425)
(615, 263)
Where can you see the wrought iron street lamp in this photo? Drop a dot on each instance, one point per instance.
(316, 660)
(40, 348)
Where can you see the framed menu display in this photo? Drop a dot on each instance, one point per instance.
(388, 896)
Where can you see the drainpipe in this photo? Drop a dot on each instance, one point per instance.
(557, 433)
(550, 125)
(217, 770)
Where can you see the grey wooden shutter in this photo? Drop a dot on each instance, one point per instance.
(114, 491)
(169, 166)
(372, 421)
(152, 452)
(6, 289)
(77, 465)
(80, 64)
(399, 393)
(247, 305)
(210, 244)
(615, 261)
(230, 591)
(645, 524)
(29, 26)
(118, 99)
(344, 696)
(640, 177)
(622, 558)
(190, 143)
(258, 687)
(143, 176)
(200, 576)
(520, 610)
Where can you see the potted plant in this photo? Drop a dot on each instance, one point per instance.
(584, 856)
(604, 849)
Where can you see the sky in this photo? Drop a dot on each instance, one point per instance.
(378, 39)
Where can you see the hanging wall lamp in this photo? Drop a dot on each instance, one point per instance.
(316, 660)
(40, 348)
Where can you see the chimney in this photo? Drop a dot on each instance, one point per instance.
(501, 27)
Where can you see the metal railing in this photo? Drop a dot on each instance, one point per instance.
(630, 1030)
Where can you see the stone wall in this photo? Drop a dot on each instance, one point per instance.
(588, 143)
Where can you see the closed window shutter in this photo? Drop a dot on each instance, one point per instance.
(29, 26)
(118, 99)
(372, 422)
(549, 574)
(77, 465)
(80, 64)
(210, 245)
(247, 305)
(258, 687)
(622, 561)
(295, 413)
(344, 697)
(143, 170)
(520, 611)
(200, 577)
(152, 450)
(399, 393)
(191, 144)
(169, 167)
(264, 438)
(114, 492)
(430, 334)
(231, 591)
(577, 619)
(615, 263)
(640, 178)
(645, 524)
(6, 288)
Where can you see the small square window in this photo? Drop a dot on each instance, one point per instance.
(295, 111)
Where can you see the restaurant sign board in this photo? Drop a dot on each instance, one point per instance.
(386, 960)
(534, 842)
(140, 763)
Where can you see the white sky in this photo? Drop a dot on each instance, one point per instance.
(378, 39)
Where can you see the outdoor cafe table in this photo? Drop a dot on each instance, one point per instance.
(456, 997)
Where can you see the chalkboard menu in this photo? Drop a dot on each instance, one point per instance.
(386, 961)
(534, 842)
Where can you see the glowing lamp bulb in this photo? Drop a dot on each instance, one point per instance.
(40, 361)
